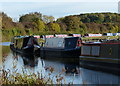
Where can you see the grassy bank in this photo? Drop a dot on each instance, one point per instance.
(98, 38)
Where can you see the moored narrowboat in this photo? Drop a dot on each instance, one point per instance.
(25, 45)
(63, 47)
(101, 56)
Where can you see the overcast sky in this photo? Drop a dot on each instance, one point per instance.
(59, 0)
(57, 8)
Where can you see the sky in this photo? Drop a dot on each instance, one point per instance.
(59, 0)
(16, 8)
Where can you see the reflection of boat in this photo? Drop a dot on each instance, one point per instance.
(28, 60)
(67, 67)
(25, 45)
(101, 56)
(98, 78)
(71, 68)
(64, 47)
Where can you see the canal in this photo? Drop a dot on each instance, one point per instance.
(54, 67)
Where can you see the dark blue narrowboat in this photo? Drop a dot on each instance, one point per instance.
(61, 47)
(25, 45)
(101, 56)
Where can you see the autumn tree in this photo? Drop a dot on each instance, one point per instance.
(54, 27)
(7, 22)
(72, 22)
(40, 25)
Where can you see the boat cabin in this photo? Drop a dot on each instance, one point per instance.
(60, 47)
(25, 44)
(63, 43)
(108, 50)
(23, 41)
(101, 56)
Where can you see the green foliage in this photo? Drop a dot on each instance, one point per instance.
(7, 22)
(40, 25)
(36, 23)
(54, 27)
(30, 17)
(108, 19)
(72, 22)
(28, 32)
(62, 24)
(114, 29)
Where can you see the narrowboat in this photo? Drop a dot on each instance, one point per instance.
(107, 34)
(93, 35)
(25, 45)
(60, 35)
(116, 34)
(75, 35)
(103, 56)
(63, 47)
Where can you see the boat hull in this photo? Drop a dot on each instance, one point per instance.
(59, 53)
(100, 64)
(27, 51)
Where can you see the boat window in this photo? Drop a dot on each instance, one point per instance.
(85, 50)
(90, 50)
(60, 44)
(47, 43)
(69, 43)
(95, 50)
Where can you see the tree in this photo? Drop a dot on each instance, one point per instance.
(114, 29)
(40, 25)
(62, 24)
(48, 19)
(108, 18)
(85, 20)
(100, 18)
(7, 22)
(72, 22)
(30, 17)
(54, 27)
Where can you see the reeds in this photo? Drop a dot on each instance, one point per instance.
(8, 77)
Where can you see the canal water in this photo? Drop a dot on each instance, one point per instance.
(54, 68)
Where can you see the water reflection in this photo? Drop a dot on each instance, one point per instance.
(28, 60)
(33, 64)
(67, 68)
(95, 77)
(5, 43)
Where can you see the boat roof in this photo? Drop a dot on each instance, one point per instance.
(106, 42)
(65, 37)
